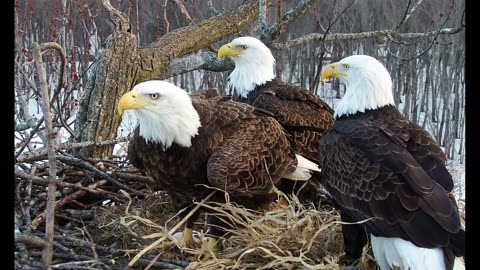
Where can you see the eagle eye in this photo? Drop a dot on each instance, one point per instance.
(243, 47)
(346, 67)
(154, 96)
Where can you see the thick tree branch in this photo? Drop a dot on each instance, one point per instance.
(119, 19)
(290, 16)
(364, 35)
(200, 60)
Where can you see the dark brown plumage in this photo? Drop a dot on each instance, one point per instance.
(239, 149)
(381, 165)
(388, 173)
(303, 115)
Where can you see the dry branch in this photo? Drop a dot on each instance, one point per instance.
(44, 182)
(38, 154)
(390, 33)
(171, 232)
(52, 187)
(77, 194)
(70, 160)
(184, 11)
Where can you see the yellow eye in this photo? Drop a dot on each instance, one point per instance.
(154, 96)
(243, 47)
(346, 67)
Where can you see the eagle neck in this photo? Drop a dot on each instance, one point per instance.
(368, 92)
(247, 75)
(168, 126)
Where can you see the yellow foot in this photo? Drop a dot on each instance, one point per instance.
(167, 245)
(208, 250)
(282, 203)
(187, 239)
(184, 239)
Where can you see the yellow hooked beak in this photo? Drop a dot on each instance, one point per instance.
(130, 100)
(227, 50)
(331, 71)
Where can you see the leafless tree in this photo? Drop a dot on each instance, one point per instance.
(110, 47)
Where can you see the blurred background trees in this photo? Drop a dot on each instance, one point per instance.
(422, 43)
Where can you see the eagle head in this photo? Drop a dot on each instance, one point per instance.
(368, 84)
(164, 111)
(254, 64)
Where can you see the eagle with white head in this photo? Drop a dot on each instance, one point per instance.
(187, 142)
(304, 115)
(390, 173)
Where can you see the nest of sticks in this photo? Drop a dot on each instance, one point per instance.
(108, 215)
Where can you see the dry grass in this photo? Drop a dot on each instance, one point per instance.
(293, 237)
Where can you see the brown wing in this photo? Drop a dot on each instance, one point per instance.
(205, 93)
(294, 106)
(253, 155)
(393, 171)
(304, 115)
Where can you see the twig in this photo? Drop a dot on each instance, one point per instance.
(26, 202)
(68, 145)
(164, 265)
(92, 243)
(41, 181)
(77, 194)
(70, 160)
(22, 250)
(30, 240)
(134, 177)
(407, 13)
(212, 7)
(184, 11)
(27, 141)
(331, 23)
(165, 15)
(75, 265)
(52, 187)
(289, 17)
(173, 230)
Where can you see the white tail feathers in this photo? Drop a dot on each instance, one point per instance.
(390, 251)
(304, 169)
(459, 264)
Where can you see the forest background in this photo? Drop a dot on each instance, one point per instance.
(87, 53)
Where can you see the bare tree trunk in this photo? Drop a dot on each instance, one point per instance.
(113, 74)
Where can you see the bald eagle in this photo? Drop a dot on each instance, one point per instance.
(304, 115)
(187, 142)
(389, 173)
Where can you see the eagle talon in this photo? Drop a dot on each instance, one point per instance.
(208, 250)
